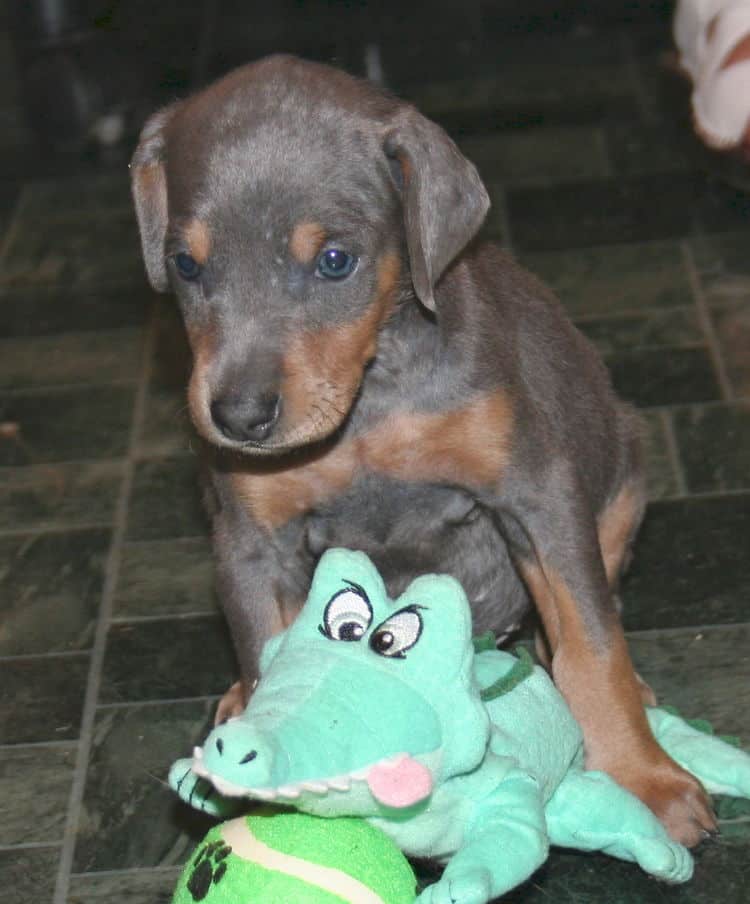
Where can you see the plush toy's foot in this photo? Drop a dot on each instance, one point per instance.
(662, 858)
(589, 811)
(459, 887)
(722, 768)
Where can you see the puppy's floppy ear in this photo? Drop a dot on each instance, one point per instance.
(444, 199)
(148, 180)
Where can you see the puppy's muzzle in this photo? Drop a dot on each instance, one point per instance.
(246, 420)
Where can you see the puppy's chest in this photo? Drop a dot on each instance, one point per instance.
(466, 447)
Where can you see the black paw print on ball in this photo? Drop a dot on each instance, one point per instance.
(209, 868)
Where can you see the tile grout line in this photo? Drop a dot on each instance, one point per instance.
(673, 451)
(129, 871)
(624, 313)
(93, 683)
(53, 528)
(646, 633)
(33, 389)
(50, 654)
(54, 745)
(196, 615)
(704, 318)
(30, 846)
(703, 494)
(158, 701)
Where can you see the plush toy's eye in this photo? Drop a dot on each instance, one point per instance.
(397, 634)
(336, 264)
(347, 616)
(187, 266)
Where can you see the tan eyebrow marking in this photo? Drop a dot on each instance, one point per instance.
(306, 240)
(198, 239)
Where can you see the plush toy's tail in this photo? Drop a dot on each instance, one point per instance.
(721, 767)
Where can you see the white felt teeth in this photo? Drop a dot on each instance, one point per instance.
(341, 783)
(260, 793)
(291, 792)
(200, 770)
(229, 789)
(315, 787)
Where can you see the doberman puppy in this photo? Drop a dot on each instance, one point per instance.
(368, 376)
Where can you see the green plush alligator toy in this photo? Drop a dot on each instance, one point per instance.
(382, 709)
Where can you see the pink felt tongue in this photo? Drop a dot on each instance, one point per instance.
(400, 783)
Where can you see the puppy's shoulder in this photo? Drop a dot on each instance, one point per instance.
(487, 277)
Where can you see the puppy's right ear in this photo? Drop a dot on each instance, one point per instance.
(148, 180)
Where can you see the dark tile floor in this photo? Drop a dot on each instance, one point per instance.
(111, 649)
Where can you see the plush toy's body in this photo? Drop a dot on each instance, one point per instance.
(382, 709)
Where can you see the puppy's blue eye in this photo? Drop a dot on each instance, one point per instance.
(187, 266)
(336, 264)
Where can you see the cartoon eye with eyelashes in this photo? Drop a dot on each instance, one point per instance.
(397, 634)
(348, 614)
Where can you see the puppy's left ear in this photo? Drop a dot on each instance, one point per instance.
(445, 201)
(148, 180)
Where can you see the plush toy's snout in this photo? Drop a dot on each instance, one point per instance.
(241, 755)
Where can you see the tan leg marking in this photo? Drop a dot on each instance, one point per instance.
(617, 525)
(605, 696)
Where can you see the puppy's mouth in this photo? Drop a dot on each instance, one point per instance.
(301, 436)
(291, 429)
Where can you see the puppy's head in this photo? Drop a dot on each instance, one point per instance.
(290, 207)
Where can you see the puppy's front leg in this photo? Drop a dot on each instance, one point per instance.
(557, 550)
(256, 594)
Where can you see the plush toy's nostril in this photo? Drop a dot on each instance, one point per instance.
(249, 757)
(220, 745)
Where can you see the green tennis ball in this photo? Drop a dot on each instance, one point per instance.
(292, 858)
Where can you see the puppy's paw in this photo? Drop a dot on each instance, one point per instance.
(232, 704)
(684, 808)
(676, 797)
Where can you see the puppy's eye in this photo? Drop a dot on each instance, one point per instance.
(336, 264)
(187, 266)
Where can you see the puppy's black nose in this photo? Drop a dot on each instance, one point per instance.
(246, 420)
